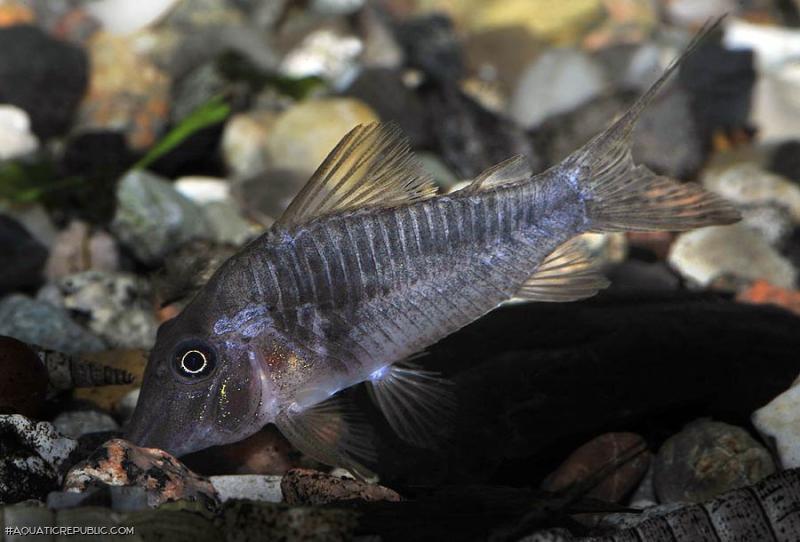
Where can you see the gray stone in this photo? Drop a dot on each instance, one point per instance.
(115, 306)
(256, 487)
(747, 184)
(736, 251)
(39, 322)
(16, 138)
(779, 423)
(153, 218)
(80, 422)
(708, 458)
(558, 81)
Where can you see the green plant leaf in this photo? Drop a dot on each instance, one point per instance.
(212, 112)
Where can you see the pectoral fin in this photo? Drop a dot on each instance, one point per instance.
(332, 433)
(418, 404)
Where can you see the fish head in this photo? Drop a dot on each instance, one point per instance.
(201, 388)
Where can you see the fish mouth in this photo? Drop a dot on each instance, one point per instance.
(154, 435)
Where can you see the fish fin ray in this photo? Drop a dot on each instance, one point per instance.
(517, 168)
(371, 166)
(621, 195)
(418, 404)
(569, 273)
(333, 433)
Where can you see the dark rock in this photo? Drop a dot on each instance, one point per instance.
(623, 455)
(384, 91)
(720, 82)
(164, 478)
(431, 45)
(249, 520)
(45, 77)
(668, 138)
(23, 379)
(708, 458)
(311, 487)
(637, 275)
(99, 157)
(558, 136)
(469, 137)
(23, 256)
(785, 160)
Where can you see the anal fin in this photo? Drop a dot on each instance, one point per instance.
(332, 433)
(568, 274)
(417, 403)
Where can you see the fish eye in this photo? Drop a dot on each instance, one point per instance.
(194, 359)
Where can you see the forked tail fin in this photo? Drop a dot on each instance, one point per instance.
(621, 195)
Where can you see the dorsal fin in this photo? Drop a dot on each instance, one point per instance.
(516, 168)
(569, 273)
(371, 166)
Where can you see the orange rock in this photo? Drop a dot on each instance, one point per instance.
(762, 292)
(164, 478)
(13, 14)
(600, 453)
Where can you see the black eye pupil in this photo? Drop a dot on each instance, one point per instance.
(195, 361)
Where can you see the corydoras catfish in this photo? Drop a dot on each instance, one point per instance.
(368, 266)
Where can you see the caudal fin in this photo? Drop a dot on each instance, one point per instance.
(621, 195)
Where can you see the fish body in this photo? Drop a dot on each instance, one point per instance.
(368, 267)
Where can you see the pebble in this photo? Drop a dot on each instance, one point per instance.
(23, 256)
(77, 423)
(785, 160)
(707, 458)
(109, 398)
(152, 218)
(386, 92)
(123, 17)
(667, 137)
(311, 487)
(266, 196)
(248, 486)
(34, 218)
(772, 221)
(31, 456)
(127, 92)
(559, 22)
(224, 220)
(749, 184)
(557, 82)
(16, 138)
(43, 76)
(164, 478)
(23, 379)
(720, 82)
(41, 323)
(704, 255)
(324, 53)
(778, 422)
(696, 12)
(116, 306)
(244, 143)
(245, 520)
(602, 453)
(431, 45)
(77, 248)
(306, 133)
